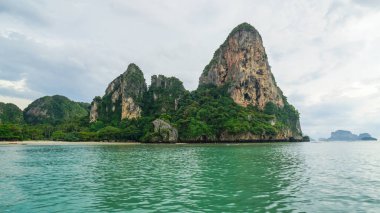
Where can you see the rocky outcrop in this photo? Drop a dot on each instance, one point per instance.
(164, 132)
(10, 113)
(54, 110)
(286, 135)
(163, 95)
(123, 97)
(238, 73)
(94, 110)
(241, 63)
(241, 66)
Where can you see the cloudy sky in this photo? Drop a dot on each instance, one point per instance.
(325, 54)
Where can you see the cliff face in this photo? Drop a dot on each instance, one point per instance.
(10, 113)
(123, 97)
(163, 95)
(53, 110)
(242, 63)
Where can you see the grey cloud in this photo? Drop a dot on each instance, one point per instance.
(368, 3)
(26, 11)
(44, 73)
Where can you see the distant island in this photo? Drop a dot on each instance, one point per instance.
(237, 100)
(344, 135)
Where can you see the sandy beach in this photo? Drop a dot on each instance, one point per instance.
(64, 143)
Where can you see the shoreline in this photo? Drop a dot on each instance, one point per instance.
(42, 142)
(65, 143)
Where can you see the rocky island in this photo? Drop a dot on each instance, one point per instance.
(237, 100)
(344, 135)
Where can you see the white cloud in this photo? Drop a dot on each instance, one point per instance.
(20, 102)
(19, 86)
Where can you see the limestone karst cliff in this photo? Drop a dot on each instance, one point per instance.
(242, 63)
(237, 98)
(123, 97)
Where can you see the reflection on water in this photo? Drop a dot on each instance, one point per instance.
(187, 178)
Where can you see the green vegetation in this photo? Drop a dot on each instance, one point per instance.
(163, 96)
(204, 114)
(10, 132)
(209, 112)
(242, 27)
(54, 110)
(10, 113)
(134, 78)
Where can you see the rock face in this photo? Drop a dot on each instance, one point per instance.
(10, 113)
(344, 135)
(163, 95)
(284, 135)
(53, 110)
(251, 137)
(94, 110)
(241, 63)
(164, 132)
(123, 97)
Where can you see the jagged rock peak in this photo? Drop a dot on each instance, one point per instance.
(163, 95)
(133, 72)
(241, 63)
(244, 27)
(161, 81)
(94, 110)
(123, 96)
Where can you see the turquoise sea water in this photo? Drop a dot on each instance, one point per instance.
(286, 177)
